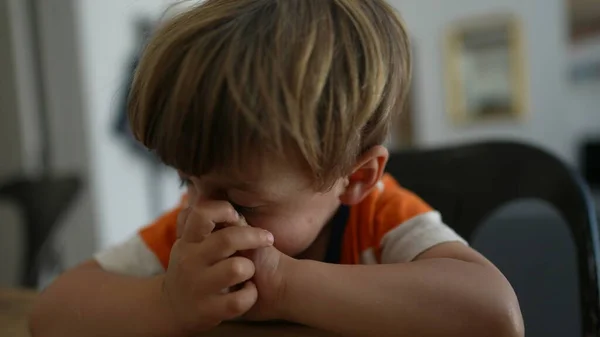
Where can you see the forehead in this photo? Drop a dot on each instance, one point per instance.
(270, 177)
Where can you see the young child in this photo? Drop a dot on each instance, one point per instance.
(274, 113)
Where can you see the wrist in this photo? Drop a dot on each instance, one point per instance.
(162, 309)
(288, 298)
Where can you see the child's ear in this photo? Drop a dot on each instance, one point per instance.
(369, 169)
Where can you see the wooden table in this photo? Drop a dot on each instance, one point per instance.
(15, 306)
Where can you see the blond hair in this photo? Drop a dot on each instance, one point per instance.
(228, 80)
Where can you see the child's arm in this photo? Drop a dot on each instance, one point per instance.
(186, 300)
(88, 301)
(449, 290)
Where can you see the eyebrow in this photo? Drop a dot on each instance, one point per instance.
(266, 194)
(245, 187)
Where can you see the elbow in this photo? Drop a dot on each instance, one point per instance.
(501, 318)
(504, 319)
(508, 321)
(495, 311)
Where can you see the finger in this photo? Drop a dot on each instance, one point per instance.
(181, 219)
(241, 222)
(224, 243)
(237, 303)
(228, 273)
(203, 217)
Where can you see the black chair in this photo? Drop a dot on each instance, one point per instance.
(467, 183)
(42, 202)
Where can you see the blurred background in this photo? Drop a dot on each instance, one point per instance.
(524, 70)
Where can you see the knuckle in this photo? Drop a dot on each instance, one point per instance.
(181, 263)
(177, 251)
(182, 260)
(198, 217)
(183, 214)
(227, 240)
(177, 246)
(254, 234)
(237, 305)
(225, 207)
(230, 210)
(238, 268)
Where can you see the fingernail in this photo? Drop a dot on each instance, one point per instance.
(270, 237)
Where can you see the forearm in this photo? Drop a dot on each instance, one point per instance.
(437, 297)
(91, 302)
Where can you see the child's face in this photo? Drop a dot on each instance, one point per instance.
(279, 198)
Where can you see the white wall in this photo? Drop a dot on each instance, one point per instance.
(119, 178)
(550, 123)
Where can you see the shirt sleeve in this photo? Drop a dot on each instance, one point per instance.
(145, 254)
(406, 226)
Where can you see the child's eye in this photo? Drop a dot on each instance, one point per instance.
(184, 182)
(243, 209)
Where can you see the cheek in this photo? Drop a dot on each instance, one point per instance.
(292, 234)
(296, 228)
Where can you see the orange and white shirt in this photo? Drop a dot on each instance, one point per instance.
(391, 225)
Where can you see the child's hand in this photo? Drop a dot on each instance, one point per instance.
(269, 277)
(202, 265)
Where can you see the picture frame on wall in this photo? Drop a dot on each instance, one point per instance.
(584, 19)
(485, 75)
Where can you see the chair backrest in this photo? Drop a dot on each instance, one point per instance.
(467, 183)
(42, 202)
